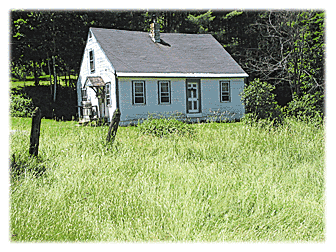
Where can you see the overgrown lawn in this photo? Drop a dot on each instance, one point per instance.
(227, 182)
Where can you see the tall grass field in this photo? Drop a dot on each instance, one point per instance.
(226, 182)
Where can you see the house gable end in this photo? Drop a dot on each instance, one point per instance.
(102, 62)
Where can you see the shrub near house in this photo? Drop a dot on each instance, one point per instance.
(260, 103)
(163, 127)
(20, 106)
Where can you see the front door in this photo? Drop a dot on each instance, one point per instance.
(193, 97)
(101, 103)
(101, 95)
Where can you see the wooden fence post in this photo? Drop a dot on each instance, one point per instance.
(113, 126)
(35, 132)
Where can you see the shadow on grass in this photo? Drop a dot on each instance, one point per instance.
(19, 166)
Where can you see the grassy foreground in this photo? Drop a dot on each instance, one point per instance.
(229, 182)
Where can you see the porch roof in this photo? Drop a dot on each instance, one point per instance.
(94, 81)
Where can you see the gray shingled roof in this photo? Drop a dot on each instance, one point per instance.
(135, 52)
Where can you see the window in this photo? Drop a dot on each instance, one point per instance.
(107, 93)
(84, 94)
(164, 92)
(225, 91)
(92, 67)
(139, 92)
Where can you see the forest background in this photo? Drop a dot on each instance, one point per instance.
(284, 48)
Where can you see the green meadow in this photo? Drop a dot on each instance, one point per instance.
(226, 182)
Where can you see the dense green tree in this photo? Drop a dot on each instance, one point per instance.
(39, 35)
(290, 49)
(27, 42)
(259, 100)
(201, 23)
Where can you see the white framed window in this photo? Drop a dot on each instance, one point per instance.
(91, 58)
(225, 94)
(164, 92)
(108, 94)
(84, 94)
(138, 92)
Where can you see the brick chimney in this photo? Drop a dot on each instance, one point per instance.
(155, 31)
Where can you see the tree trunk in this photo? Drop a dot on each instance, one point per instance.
(36, 76)
(68, 73)
(55, 78)
(65, 78)
(49, 75)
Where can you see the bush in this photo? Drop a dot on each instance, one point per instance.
(164, 127)
(20, 106)
(259, 101)
(306, 107)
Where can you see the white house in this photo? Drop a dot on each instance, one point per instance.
(162, 74)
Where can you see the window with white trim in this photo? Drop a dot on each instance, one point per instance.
(91, 57)
(225, 95)
(164, 92)
(107, 93)
(139, 92)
